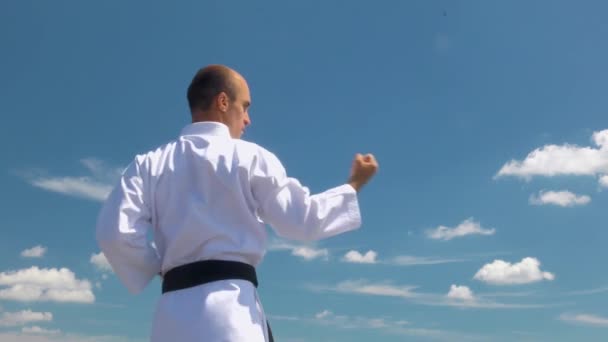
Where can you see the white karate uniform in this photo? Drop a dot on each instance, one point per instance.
(208, 196)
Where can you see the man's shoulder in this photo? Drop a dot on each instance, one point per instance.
(261, 156)
(254, 149)
(146, 158)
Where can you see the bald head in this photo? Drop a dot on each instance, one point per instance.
(209, 82)
(218, 93)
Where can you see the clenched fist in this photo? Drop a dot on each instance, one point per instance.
(363, 169)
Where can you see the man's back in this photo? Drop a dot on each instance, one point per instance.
(201, 200)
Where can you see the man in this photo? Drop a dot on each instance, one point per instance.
(206, 198)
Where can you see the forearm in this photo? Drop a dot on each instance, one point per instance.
(135, 263)
(295, 214)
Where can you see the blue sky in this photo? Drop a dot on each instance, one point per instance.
(486, 221)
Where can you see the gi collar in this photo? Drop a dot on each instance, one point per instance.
(206, 128)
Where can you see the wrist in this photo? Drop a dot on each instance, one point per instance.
(355, 185)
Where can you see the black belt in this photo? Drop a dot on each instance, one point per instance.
(206, 271)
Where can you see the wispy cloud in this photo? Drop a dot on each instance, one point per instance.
(385, 325)
(559, 198)
(457, 296)
(326, 317)
(39, 331)
(467, 227)
(377, 289)
(45, 284)
(588, 291)
(100, 262)
(34, 252)
(370, 257)
(585, 319)
(58, 336)
(500, 272)
(567, 159)
(10, 319)
(408, 260)
(95, 186)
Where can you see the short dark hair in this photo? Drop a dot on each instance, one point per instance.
(207, 84)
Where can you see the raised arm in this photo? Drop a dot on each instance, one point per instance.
(122, 228)
(289, 208)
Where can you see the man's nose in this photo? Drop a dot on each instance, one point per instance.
(247, 120)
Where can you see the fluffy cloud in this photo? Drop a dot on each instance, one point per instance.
(501, 272)
(309, 253)
(34, 252)
(100, 262)
(460, 293)
(585, 319)
(356, 257)
(604, 181)
(36, 284)
(559, 198)
(95, 187)
(467, 227)
(554, 160)
(10, 319)
(304, 252)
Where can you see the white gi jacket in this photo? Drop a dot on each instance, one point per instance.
(208, 196)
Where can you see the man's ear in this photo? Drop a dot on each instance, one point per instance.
(222, 102)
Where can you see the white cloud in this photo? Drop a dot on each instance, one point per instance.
(356, 257)
(95, 188)
(36, 284)
(604, 181)
(309, 253)
(559, 198)
(500, 272)
(34, 252)
(38, 330)
(10, 319)
(585, 319)
(305, 252)
(555, 160)
(323, 314)
(467, 227)
(460, 293)
(100, 262)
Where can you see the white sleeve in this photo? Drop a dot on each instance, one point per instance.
(290, 209)
(121, 232)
